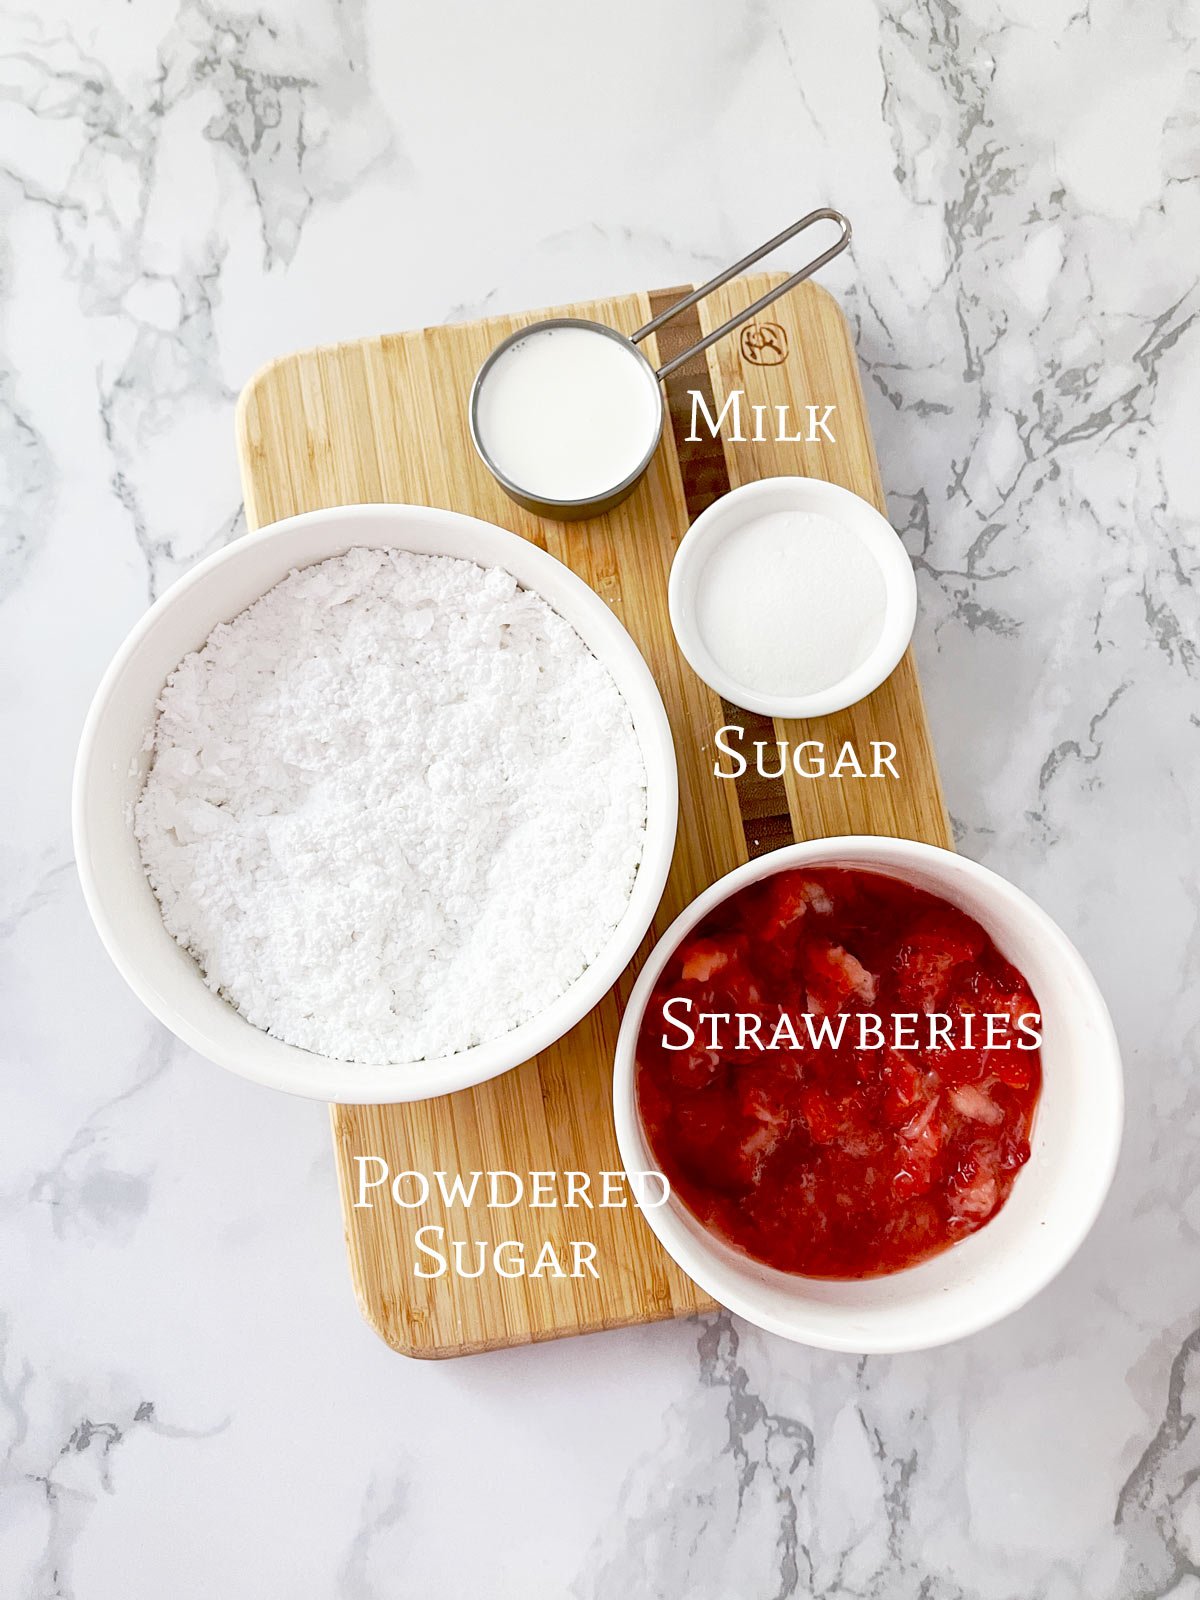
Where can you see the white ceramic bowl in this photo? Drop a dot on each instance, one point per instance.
(1056, 1196)
(112, 762)
(762, 498)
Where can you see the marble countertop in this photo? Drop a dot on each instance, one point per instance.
(190, 1405)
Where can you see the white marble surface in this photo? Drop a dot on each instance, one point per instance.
(189, 1403)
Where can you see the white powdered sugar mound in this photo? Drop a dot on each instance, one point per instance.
(396, 807)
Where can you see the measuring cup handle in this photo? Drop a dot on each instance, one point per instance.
(740, 266)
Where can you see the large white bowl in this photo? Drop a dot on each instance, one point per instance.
(112, 762)
(1056, 1196)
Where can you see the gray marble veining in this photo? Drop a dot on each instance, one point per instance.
(189, 1404)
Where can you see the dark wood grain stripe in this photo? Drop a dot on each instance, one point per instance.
(765, 822)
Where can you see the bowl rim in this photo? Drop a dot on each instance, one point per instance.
(326, 1078)
(840, 505)
(689, 1245)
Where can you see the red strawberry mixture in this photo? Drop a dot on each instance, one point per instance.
(825, 1158)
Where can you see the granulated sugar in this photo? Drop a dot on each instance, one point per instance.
(791, 603)
(396, 807)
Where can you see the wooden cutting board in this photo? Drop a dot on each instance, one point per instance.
(385, 419)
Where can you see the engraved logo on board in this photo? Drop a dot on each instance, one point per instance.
(764, 344)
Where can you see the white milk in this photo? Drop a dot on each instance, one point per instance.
(791, 603)
(566, 413)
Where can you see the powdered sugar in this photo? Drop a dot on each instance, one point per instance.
(396, 807)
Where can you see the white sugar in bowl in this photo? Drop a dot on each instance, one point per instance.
(792, 597)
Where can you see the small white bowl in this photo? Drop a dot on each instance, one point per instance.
(1056, 1196)
(760, 499)
(112, 762)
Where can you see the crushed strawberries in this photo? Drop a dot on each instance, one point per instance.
(806, 1150)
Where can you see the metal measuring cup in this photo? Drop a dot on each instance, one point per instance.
(595, 504)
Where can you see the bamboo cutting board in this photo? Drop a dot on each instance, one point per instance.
(385, 419)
